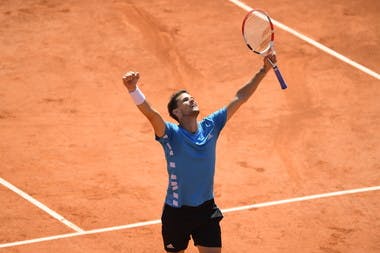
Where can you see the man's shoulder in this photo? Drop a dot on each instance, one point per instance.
(218, 113)
(170, 125)
(170, 128)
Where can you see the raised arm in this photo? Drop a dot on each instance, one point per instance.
(130, 80)
(245, 92)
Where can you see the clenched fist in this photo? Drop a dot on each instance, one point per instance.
(130, 80)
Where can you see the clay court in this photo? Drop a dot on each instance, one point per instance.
(298, 170)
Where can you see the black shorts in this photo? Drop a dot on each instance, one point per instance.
(201, 223)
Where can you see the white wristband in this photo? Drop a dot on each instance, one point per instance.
(137, 96)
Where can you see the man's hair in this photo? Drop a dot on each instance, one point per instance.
(173, 103)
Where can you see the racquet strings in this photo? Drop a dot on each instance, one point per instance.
(257, 33)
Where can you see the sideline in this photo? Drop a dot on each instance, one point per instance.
(37, 203)
(228, 210)
(313, 42)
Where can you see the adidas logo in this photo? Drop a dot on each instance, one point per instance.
(170, 246)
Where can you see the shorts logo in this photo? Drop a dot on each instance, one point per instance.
(169, 246)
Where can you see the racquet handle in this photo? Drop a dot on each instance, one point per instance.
(279, 77)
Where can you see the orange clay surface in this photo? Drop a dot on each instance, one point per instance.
(71, 137)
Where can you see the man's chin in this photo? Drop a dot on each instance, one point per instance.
(195, 111)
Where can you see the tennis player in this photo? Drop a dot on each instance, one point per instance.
(189, 148)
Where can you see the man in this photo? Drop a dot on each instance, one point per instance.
(189, 148)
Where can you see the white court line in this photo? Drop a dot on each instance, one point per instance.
(40, 205)
(299, 199)
(228, 210)
(314, 43)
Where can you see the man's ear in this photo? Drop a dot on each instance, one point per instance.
(176, 112)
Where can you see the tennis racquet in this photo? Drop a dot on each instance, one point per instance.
(258, 34)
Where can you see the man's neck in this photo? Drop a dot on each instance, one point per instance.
(189, 123)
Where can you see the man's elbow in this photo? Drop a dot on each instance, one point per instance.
(241, 97)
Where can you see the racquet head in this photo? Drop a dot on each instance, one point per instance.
(257, 29)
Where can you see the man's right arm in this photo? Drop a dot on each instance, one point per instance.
(130, 80)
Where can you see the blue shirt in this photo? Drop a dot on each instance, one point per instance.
(190, 160)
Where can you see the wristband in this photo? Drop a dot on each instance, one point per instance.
(137, 96)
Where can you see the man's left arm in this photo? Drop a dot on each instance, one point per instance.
(245, 92)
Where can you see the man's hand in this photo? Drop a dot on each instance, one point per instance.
(130, 80)
(271, 57)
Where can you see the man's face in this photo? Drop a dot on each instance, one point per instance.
(187, 106)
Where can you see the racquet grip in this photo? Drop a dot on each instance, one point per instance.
(279, 77)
